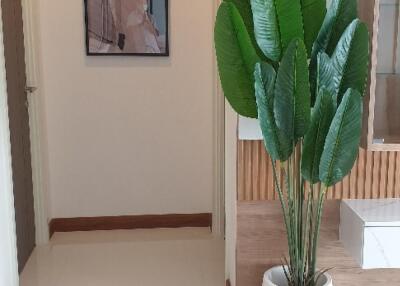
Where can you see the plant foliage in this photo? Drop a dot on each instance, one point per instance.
(236, 57)
(314, 141)
(292, 92)
(302, 70)
(340, 14)
(266, 28)
(342, 140)
(281, 146)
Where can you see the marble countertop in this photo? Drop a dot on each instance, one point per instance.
(377, 212)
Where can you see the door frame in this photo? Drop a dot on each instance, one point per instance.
(219, 215)
(36, 121)
(8, 240)
(226, 122)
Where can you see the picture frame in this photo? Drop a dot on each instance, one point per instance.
(127, 28)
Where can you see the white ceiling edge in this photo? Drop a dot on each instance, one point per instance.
(249, 129)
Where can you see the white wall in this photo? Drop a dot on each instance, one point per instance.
(128, 135)
(8, 248)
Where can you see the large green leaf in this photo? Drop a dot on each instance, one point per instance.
(244, 9)
(277, 144)
(314, 140)
(350, 60)
(292, 92)
(266, 28)
(313, 15)
(340, 14)
(236, 58)
(325, 75)
(343, 139)
(290, 21)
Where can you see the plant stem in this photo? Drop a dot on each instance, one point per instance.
(320, 205)
(306, 234)
(280, 195)
(302, 219)
(311, 203)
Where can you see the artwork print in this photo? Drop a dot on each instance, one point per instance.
(127, 27)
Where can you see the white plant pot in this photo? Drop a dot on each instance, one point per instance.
(276, 277)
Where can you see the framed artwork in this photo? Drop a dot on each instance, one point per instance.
(127, 27)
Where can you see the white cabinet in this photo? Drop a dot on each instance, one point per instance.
(370, 232)
(249, 129)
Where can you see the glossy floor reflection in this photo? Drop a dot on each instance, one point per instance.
(162, 257)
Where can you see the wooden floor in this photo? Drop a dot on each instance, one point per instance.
(261, 244)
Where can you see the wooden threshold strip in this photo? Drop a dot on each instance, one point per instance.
(129, 222)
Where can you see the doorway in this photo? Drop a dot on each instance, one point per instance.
(14, 53)
(8, 257)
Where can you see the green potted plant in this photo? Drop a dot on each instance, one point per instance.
(301, 70)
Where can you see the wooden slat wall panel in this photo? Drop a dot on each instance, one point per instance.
(397, 176)
(375, 175)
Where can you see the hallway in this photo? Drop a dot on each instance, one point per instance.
(167, 257)
(134, 141)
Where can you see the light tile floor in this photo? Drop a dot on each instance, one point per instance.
(161, 257)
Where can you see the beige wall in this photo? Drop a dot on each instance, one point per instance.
(128, 135)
